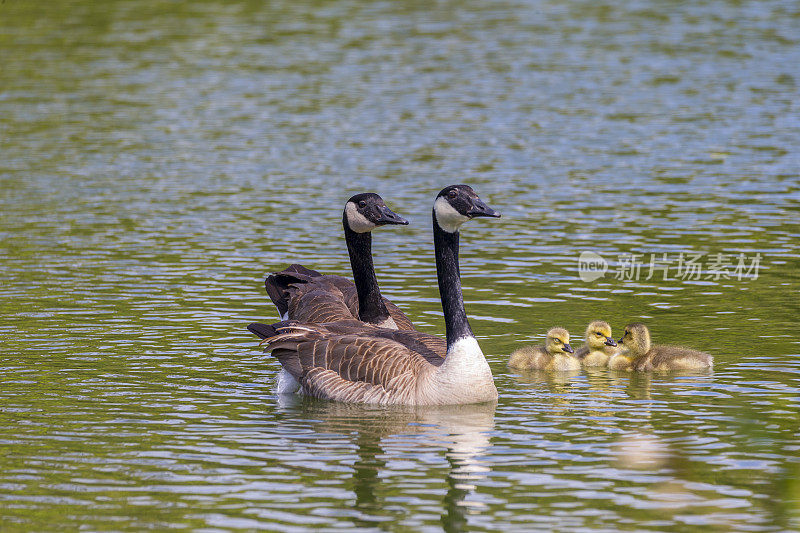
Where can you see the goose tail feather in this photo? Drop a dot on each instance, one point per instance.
(277, 284)
(280, 331)
(263, 331)
(282, 339)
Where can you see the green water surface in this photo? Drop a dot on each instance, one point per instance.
(158, 159)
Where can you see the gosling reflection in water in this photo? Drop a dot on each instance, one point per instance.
(555, 389)
(658, 387)
(381, 432)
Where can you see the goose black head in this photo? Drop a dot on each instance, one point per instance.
(458, 203)
(366, 211)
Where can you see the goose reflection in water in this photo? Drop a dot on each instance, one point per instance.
(464, 431)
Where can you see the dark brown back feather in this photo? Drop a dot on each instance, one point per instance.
(311, 297)
(429, 346)
(352, 356)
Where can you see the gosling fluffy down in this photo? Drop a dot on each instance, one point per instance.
(599, 347)
(638, 354)
(555, 354)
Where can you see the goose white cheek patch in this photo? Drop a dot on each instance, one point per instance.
(448, 218)
(356, 220)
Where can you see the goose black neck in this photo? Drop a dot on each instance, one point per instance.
(371, 308)
(447, 271)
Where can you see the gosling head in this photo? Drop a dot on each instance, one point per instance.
(636, 339)
(456, 204)
(366, 211)
(558, 341)
(598, 335)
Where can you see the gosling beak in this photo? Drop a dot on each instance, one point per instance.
(620, 340)
(387, 216)
(611, 342)
(480, 209)
(568, 348)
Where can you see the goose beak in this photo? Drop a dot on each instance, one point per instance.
(620, 340)
(568, 348)
(387, 216)
(610, 342)
(480, 209)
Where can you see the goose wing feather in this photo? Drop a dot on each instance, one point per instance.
(399, 317)
(429, 346)
(318, 302)
(309, 296)
(350, 293)
(334, 364)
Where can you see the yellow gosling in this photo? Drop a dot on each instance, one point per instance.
(556, 354)
(599, 346)
(638, 354)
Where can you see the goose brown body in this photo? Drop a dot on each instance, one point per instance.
(319, 298)
(342, 361)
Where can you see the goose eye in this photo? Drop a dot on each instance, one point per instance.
(558, 341)
(362, 204)
(452, 194)
(598, 333)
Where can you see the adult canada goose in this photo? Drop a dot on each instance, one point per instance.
(355, 362)
(306, 295)
(637, 353)
(555, 354)
(599, 345)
